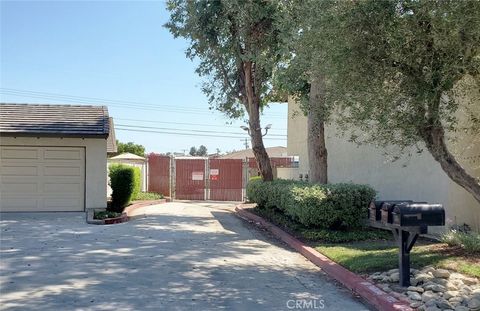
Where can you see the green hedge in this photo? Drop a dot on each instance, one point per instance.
(125, 182)
(331, 206)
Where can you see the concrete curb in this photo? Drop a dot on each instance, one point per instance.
(367, 290)
(126, 215)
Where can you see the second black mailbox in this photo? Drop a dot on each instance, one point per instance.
(375, 208)
(418, 214)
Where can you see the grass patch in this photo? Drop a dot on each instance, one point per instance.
(372, 250)
(105, 214)
(315, 234)
(149, 196)
(372, 256)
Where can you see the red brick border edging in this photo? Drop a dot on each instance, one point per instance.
(371, 293)
(138, 204)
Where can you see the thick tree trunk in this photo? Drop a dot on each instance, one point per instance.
(434, 138)
(317, 151)
(253, 107)
(261, 155)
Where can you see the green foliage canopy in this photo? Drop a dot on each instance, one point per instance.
(131, 148)
(394, 67)
(200, 151)
(223, 36)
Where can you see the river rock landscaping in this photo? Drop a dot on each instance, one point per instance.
(433, 289)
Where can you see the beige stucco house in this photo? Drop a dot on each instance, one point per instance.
(273, 152)
(418, 177)
(53, 157)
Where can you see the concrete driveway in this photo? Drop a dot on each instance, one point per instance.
(182, 256)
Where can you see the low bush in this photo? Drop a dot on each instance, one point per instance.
(254, 190)
(321, 235)
(125, 183)
(331, 206)
(469, 241)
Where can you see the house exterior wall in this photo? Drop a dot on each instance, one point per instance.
(418, 177)
(297, 135)
(95, 162)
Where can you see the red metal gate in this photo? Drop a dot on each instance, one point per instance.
(202, 178)
(190, 179)
(226, 179)
(159, 174)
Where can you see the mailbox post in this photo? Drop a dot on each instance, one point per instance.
(407, 220)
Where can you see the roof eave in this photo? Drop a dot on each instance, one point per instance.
(53, 135)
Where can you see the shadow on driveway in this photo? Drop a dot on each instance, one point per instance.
(181, 257)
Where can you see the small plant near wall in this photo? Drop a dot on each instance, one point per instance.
(105, 215)
(125, 184)
(463, 237)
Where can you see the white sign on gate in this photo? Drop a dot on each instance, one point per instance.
(197, 175)
(214, 171)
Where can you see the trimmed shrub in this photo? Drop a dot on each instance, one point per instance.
(253, 190)
(137, 183)
(124, 181)
(331, 206)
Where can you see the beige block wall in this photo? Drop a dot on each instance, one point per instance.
(287, 172)
(95, 166)
(418, 177)
(297, 135)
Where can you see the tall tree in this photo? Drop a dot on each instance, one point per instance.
(237, 44)
(130, 147)
(200, 151)
(395, 68)
(316, 117)
(299, 75)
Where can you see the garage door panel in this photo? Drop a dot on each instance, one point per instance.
(53, 180)
(17, 154)
(62, 170)
(14, 204)
(62, 187)
(61, 154)
(18, 187)
(19, 170)
(61, 203)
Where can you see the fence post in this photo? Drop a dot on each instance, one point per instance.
(245, 167)
(172, 177)
(207, 180)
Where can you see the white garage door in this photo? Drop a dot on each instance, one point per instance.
(34, 179)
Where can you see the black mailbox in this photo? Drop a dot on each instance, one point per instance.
(407, 220)
(387, 209)
(418, 214)
(375, 208)
(386, 212)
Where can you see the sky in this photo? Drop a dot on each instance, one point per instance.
(118, 54)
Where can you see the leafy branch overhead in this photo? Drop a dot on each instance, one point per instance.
(396, 71)
(237, 45)
(224, 36)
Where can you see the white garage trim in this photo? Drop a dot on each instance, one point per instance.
(42, 178)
